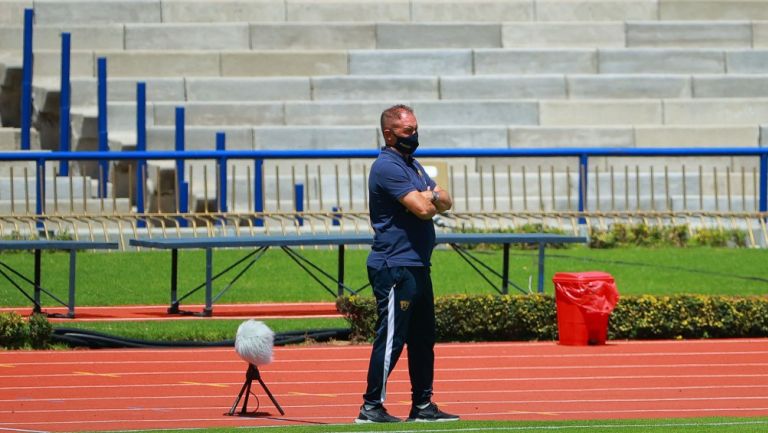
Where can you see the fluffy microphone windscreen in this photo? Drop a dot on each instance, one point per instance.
(254, 342)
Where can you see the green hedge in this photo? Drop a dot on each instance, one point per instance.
(16, 332)
(622, 235)
(534, 317)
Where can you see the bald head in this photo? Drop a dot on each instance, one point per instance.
(393, 114)
(397, 120)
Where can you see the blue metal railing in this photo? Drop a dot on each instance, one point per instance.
(222, 156)
(26, 81)
(65, 125)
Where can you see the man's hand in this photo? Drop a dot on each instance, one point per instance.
(445, 202)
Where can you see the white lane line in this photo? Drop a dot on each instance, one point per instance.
(356, 404)
(365, 359)
(442, 392)
(22, 430)
(268, 370)
(362, 380)
(439, 347)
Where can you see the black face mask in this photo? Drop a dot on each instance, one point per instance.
(407, 145)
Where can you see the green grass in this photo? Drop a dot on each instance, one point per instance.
(125, 278)
(693, 425)
(199, 330)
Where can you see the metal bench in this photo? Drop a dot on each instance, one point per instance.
(261, 243)
(38, 246)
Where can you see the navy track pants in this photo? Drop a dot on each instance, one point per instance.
(406, 315)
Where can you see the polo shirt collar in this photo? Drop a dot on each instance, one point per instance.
(408, 159)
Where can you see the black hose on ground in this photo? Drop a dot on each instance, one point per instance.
(97, 340)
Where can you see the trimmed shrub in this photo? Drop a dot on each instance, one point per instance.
(719, 238)
(40, 331)
(13, 330)
(689, 316)
(534, 317)
(17, 332)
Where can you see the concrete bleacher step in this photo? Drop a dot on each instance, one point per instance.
(148, 11)
(292, 36)
(47, 63)
(699, 111)
(691, 34)
(704, 111)
(10, 139)
(454, 136)
(551, 112)
(343, 113)
(85, 36)
(463, 62)
(154, 11)
(561, 34)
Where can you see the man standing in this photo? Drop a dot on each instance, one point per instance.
(402, 201)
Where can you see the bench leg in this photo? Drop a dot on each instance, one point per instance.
(72, 270)
(37, 308)
(174, 308)
(541, 267)
(340, 286)
(505, 271)
(208, 311)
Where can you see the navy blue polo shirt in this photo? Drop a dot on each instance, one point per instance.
(400, 237)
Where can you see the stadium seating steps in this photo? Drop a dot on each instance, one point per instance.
(315, 74)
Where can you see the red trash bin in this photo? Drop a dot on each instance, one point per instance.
(584, 301)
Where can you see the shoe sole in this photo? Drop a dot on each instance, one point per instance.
(431, 420)
(367, 421)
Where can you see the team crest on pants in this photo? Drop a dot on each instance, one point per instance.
(404, 305)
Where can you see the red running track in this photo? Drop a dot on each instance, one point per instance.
(185, 388)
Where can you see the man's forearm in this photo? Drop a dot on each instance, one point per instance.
(445, 202)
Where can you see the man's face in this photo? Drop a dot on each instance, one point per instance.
(404, 126)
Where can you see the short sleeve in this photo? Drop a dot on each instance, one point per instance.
(428, 180)
(395, 181)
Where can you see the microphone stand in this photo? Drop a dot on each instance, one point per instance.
(250, 375)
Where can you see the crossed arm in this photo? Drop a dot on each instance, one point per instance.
(420, 202)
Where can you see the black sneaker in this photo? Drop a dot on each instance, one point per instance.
(430, 413)
(376, 415)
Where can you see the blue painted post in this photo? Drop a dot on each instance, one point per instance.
(40, 189)
(141, 146)
(103, 137)
(764, 182)
(336, 216)
(181, 185)
(221, 145)
(65, 126)
(258, 189)
(298, 198)
(583, 173)
(26, 81)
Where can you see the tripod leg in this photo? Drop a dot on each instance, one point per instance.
(271, 397)
(246, 384)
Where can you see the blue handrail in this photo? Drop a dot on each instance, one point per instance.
(259, 156)
(372, 153)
